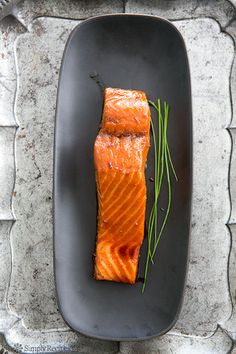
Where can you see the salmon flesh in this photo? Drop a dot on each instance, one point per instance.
(120, 153)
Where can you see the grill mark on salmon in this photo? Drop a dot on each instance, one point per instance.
(120, 153)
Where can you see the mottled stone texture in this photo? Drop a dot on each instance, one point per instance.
(6, 319)
(26, 340)
(218, 344)
(230, 325)
(7, 136)
(231, 29)
(29, 316)
(220, 10)
(9, 30)
(206, 298)
(27, 10)
(4, 347)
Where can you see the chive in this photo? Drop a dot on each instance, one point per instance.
(162, 164)
(168, 205)
(166, 110)
(171, 163)
(153, 215)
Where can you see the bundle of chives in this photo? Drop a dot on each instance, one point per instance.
(162, 163)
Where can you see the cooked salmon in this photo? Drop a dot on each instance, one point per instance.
(120, 153)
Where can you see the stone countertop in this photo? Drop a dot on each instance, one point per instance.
(31, 49)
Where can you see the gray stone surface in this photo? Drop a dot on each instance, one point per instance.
(4, 347)
(233, 90)
(28, 311)
(231, 29)
(206, 298)
(233, 2)
(9, 30)
(27, 10)
(7, 136)
(6, 319)
(230, 325)
(220, 10)
(218, 344)
(24, 340)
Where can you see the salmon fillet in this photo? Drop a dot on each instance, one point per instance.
(120, 153)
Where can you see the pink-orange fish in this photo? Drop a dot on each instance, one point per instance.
(120, 153)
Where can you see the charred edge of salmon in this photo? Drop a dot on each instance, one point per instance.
(133, 120)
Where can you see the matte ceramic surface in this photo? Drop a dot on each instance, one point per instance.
(132, 52)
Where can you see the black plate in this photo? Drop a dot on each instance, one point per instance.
(132, 52)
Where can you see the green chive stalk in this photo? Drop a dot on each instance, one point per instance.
(162, 164)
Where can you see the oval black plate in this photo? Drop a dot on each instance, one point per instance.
(132, 52)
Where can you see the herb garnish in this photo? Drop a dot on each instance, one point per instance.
(162, 164)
